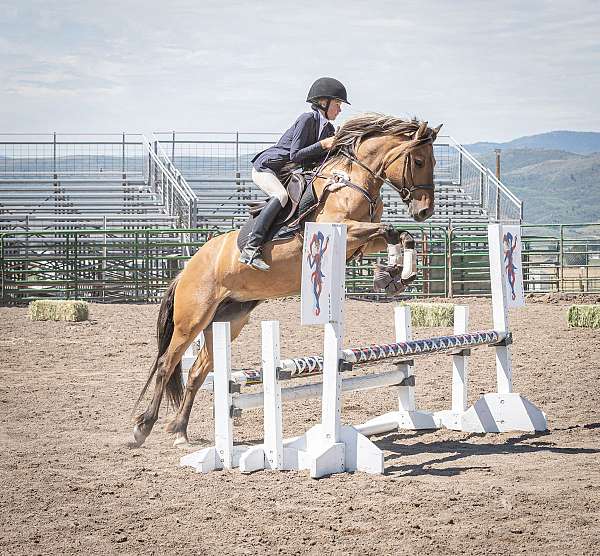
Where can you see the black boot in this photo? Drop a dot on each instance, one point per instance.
(251, 254)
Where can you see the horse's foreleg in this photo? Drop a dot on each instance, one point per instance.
(197, 375)
(373, 237)
(401, 267)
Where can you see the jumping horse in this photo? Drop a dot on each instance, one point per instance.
(369, 150)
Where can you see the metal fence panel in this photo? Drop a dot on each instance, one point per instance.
(123, 265)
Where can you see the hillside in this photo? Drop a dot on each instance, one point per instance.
(556, 186)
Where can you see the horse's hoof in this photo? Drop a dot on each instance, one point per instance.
(181, 441)
(390, 234)
(138, 436)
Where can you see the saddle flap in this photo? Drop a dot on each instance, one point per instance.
(295, 188)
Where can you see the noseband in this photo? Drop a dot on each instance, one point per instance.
(406, 191)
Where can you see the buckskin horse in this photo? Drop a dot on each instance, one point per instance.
(369, 150)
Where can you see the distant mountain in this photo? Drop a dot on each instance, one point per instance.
(580, 142)
(556, 186)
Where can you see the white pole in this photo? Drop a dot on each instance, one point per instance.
(460, 368)
(403, 326)
(499, 308)
(222, 395)
(273, 445)
(307, 391)
(333, 342)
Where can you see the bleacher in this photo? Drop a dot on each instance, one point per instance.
(194, 179)
(83, 181)
(114, 218)
(217, 169)
(32, 203)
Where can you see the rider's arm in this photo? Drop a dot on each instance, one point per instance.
(302, 148)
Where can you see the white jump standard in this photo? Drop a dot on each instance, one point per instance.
(332, 447)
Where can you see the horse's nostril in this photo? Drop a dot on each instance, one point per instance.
(424, 214)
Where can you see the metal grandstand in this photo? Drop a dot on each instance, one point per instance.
(192, 179)
(114, 217)
(217, 168)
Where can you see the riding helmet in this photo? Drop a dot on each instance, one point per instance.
(327, 87)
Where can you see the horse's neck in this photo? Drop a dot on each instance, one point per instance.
(346, 202)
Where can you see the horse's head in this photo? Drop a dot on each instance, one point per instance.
(409, 170)
(396, 152)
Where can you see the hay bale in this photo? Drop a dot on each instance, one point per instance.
(585, 316)
(431, 314)
(73, 311)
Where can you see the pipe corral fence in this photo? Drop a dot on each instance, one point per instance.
(136, 265)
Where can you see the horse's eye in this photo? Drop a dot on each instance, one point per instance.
(419, 163)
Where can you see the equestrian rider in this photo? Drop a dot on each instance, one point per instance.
(306, 144)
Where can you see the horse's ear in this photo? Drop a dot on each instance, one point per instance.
(436, 130)
(421, 131)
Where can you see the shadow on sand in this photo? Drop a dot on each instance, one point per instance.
(457, 450)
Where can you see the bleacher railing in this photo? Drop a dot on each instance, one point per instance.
(476, 181)
(166, 181)
(108, 155)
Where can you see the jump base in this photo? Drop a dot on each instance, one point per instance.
(503, 413)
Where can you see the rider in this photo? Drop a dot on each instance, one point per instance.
(305, 143)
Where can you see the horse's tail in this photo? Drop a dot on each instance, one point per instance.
(164, 332)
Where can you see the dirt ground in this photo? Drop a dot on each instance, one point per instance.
(70, 483)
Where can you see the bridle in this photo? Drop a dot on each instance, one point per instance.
(406, 191)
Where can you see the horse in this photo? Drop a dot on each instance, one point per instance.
(369, 150)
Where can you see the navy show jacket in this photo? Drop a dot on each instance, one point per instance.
(299, 144)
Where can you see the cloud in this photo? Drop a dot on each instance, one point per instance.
(491, 70)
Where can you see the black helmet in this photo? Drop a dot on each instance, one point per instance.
(327, 87)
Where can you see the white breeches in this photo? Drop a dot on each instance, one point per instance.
(270, 185)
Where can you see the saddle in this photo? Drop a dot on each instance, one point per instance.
(295, 182)
(301, 202)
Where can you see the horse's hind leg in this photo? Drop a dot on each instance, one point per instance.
(166, 364)
(197, 375)
(188, 323)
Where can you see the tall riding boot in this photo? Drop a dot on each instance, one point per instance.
(252, 252)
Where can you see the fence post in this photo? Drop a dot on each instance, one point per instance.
(54, 153)
(520, 212)
(561, 260)
(450, 288)
(2, 259)
(123, 154)
(498, 202)
(76, 264)
(481, 189)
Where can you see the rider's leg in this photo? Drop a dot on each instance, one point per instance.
(270, 184)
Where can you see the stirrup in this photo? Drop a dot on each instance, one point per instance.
(253, 258)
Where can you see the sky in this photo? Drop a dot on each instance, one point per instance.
(487, 70)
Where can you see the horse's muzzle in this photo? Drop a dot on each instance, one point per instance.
(421, 211)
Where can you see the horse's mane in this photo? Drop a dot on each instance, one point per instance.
(356, 129)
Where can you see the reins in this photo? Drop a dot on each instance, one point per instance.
(405, 191)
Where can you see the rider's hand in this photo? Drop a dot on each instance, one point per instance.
(327, 143)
